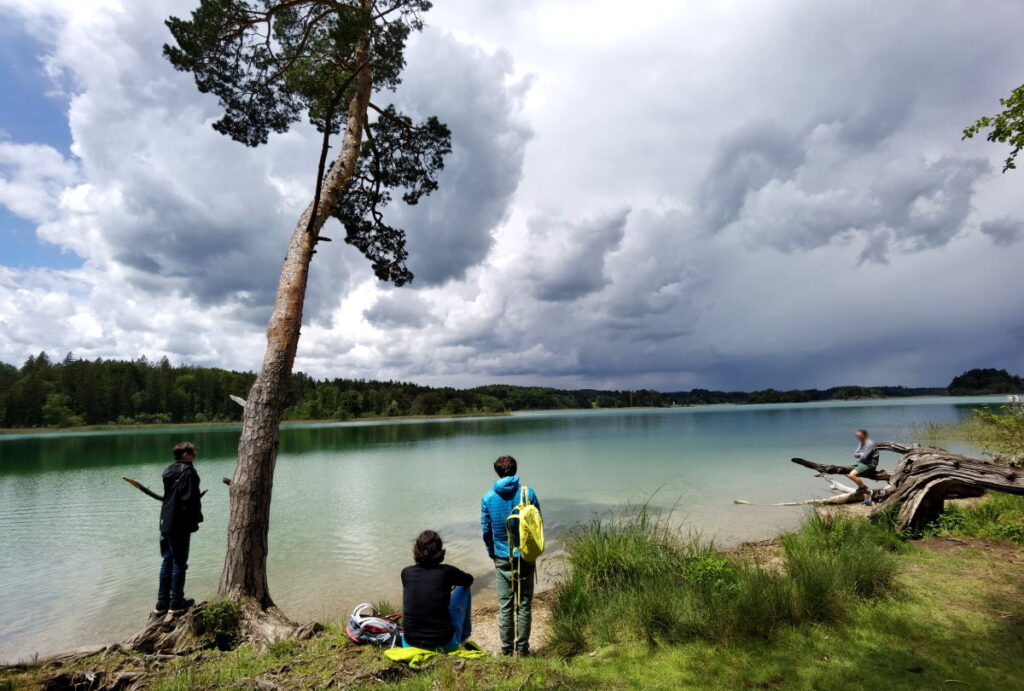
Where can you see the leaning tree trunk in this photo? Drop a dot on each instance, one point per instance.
(245, 565)
(924, 478)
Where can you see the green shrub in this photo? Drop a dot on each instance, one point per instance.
(636, 579)
(1000, 516)
(998, 430)
(1004, 428)
(219, 620)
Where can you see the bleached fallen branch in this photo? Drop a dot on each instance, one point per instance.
(848, 497)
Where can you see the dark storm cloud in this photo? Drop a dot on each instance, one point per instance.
(213, 250)
(401, 308)
(746, 162)
(469, 90)
(799, 193)
(567, 260)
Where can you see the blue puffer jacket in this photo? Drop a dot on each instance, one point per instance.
(495, 508)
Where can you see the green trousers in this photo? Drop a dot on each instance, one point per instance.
(514, 622)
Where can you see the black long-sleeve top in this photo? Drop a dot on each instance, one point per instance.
(426, 593)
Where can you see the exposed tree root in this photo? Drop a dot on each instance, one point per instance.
(187, 632)
(171, 634)
(264, 626)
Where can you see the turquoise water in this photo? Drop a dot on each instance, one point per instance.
(78, 547)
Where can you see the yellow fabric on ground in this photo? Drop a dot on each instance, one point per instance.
(417, 658)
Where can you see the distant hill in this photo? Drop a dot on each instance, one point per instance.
(980, 382)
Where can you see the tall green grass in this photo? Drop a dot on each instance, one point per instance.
(638, 579)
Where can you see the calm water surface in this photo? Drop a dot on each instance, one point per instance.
(78, 547)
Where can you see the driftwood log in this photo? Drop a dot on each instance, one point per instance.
(924, 478)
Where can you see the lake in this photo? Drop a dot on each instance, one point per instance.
(78, 547)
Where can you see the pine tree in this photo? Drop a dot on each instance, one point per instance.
(271, 63)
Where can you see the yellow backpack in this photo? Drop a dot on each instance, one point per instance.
(525, 527)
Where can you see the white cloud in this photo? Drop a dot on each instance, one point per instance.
(772, 159)
(32, 178)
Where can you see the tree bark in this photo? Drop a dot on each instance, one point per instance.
(245, 565)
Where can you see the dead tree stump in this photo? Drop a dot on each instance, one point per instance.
(925, 477)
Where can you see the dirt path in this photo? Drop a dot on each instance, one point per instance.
(485, 622)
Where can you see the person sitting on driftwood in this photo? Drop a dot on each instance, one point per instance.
(435, 599)
(866, 454)
(180, 516)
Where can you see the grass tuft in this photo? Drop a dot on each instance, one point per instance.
(637, 580)
(386, 608)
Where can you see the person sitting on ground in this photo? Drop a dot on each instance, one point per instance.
(435, 599)
(180, 516)
(514, 575)
(867, 463)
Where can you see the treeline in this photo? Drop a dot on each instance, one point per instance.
(75, 392)
(979, 382)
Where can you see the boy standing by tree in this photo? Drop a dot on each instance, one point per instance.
(515, 575)
(180, 516)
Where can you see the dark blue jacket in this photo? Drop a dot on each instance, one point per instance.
(495, 508)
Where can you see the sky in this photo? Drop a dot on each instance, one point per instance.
(731, 194)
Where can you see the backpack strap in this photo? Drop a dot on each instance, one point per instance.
(524, 499)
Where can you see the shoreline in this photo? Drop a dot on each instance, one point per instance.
(765, 552)
(26, 431)
(944, 584)
(484, 607)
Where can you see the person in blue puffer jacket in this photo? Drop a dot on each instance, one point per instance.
(512, 571)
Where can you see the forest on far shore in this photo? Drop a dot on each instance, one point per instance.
(76, 392)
